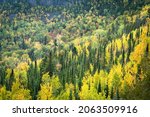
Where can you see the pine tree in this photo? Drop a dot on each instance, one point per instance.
(70, 96)
(50, 64)
(2, 75)
(0, 51)
(112, 93)
(117, 94)
(147, 50)
(30, 76)
(10, 80)
(129, 49)
(99, 88)
(123, 55)
(80, 83)
(106, 91)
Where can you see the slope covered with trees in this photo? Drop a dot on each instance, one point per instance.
(79, 50)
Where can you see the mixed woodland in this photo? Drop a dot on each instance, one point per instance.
(83, 50)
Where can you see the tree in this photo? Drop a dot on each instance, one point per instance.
(3, 74)
(99, 88)
(10, 79)
(19, 92)
(50, 87)
(4, 94)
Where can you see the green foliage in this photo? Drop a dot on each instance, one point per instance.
(88, 50)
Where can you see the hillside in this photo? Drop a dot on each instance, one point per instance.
(44, 2)
(74, 50)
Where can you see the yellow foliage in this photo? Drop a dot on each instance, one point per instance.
(144, 33)
(125, 44)
(138, 53)
(96, 78)
(130, 70)
(87, 52)
(79, 49)
(87, 43)
(76, 41)
(18, 92)
(45, 78)
(89, 87)
(8, 72)
(37, 46)
(23, 66)
(65, 94)
(46, 92)
(49, 88)
(4, 94)
(118, 43)
(108, 55)
(115, 76)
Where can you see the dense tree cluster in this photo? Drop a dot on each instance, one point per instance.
(94, 49)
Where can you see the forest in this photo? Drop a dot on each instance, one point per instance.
(75, 50)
